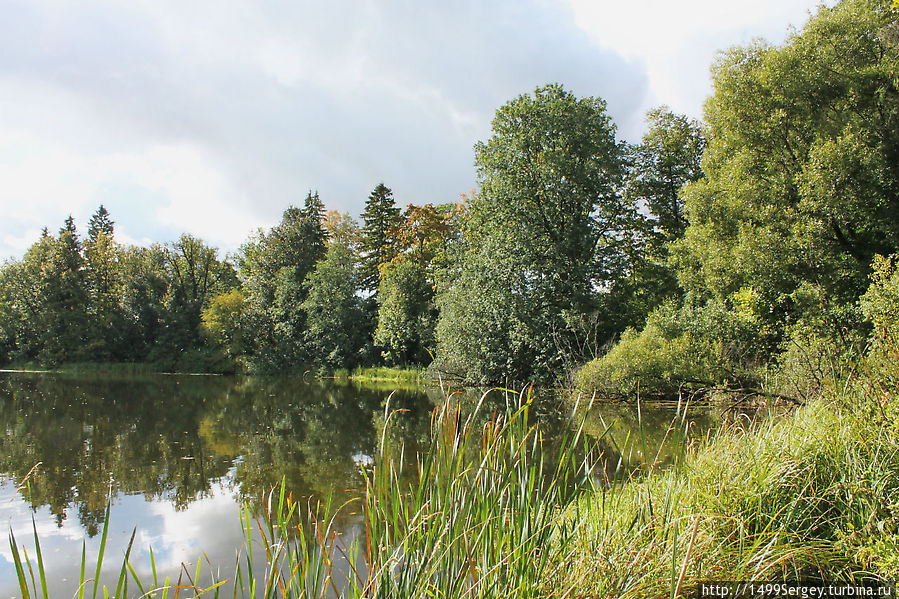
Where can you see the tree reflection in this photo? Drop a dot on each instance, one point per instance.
(171, 438)
(174, 438)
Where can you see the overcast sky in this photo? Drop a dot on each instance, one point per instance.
(211, 117)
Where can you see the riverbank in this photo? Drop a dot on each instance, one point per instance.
(812, 496)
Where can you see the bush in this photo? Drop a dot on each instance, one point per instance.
(880, 304)
(694, 345)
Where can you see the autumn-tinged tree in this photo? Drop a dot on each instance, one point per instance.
(407, 313)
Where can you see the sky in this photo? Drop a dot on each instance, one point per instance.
(211, 117)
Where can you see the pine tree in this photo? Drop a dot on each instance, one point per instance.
(380, 219)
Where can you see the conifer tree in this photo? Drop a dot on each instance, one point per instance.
(380, 219)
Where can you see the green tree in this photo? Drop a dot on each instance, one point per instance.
(407, 315)
(273, 267)
(546, 231)
(101, 257)
(195, 275)
(223, 322)
(65, 325)
(146, 283)
(336, 323)
(801, 182)
(379, 220)
(667, 158)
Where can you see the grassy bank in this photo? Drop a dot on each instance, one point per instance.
(401, 376)
(814, 495)
(490, 513)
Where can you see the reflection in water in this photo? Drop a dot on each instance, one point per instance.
(179, 453)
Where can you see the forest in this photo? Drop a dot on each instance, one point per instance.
(727, 253)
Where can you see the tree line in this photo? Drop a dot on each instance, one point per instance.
(702, 253)
(500, 282)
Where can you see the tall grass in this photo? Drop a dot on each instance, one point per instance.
(810, 496)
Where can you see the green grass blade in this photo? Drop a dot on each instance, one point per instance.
(40, 560)
(102, 547)
(121, 588)
(20, 571)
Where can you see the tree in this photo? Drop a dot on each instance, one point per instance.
(196, 275)
(801, 183)
(379, 219)
(101, 256)
(63, 313)
(314, 212)
(336, 323)
(223, 320)
(546, 231)
(667, 158)
(407, 316)
(273, 268)
(100, 223)
(407, 313)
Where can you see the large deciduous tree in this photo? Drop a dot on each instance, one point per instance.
(801, 182)
(545, 233)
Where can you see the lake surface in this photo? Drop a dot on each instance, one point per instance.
(179, 455)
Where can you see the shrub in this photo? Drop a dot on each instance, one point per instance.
(694, 345)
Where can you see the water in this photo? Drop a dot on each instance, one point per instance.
(180, 454)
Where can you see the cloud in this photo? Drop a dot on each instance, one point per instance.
(676, 42)
(212, 118)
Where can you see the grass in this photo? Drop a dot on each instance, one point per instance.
(410, 376)
(811, 496)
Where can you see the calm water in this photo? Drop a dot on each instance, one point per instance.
(180, 454)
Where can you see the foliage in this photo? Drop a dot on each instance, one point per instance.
(406, 313)
(696, 344)
(880, 304)
(667, 158)
(223, 323)
(546, 229)
(336, 324)
(379, 220)
(801, 172)
(273, 267)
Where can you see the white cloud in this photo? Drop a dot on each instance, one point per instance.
(677, 41)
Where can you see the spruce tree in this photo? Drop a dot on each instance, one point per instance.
(380, 219)
(100, 223)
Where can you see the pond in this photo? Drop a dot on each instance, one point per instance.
(179, 456)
